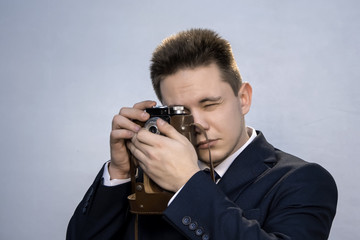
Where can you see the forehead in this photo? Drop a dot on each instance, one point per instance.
(189, 86)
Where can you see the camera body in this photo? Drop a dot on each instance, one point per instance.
(147, 196)
(177, 116)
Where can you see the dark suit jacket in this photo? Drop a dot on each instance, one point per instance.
(265, 194)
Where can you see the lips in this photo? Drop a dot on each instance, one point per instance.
(206, 144)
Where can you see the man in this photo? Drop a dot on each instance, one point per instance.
(263, 192)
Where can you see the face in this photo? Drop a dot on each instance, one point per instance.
(214, 105)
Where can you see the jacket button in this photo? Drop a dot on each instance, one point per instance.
(186, 220)
(85, 206)
(91, 192)
(199, 231)
(193, 225)
(205, 237)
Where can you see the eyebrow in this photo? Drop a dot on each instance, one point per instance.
(204, 100)
(210, 99)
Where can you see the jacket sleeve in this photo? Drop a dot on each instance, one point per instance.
(302, 207)
(102, 213)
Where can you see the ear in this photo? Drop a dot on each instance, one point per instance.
(245, 95)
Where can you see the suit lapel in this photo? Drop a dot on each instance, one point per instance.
(247, 167)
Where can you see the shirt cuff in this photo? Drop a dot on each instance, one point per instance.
(112, 182)
(173, 197)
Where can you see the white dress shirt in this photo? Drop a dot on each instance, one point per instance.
(224, 166)
(220, 169)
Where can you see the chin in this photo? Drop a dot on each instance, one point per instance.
(216, 157)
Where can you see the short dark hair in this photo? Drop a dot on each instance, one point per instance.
(190, 49)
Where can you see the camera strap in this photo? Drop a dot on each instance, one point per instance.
(147, 197)
(211, 165)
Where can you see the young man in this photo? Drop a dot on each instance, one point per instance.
(263, 192)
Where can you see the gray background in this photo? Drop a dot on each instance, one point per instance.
(66, 67)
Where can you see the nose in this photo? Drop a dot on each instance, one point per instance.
(201, 120)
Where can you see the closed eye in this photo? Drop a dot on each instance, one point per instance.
(211, 105)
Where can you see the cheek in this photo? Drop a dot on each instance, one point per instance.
(230, 121)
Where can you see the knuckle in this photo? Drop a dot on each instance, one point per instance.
(141, 134)
(136, 105)
(113, 134)
(151, 155)
(115, 119)
(121, 112)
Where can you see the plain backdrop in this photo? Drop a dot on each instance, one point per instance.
(67, 67)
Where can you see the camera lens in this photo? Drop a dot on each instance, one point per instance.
(153, 129)
(150, 125)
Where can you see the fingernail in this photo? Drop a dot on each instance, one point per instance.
(161, 122)
(144, 115)
(137, 128)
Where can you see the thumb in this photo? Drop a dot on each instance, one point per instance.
(166, 129)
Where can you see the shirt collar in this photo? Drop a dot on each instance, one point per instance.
(223, 167)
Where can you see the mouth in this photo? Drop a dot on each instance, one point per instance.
(206, 144)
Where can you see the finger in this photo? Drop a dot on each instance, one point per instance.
(148, 138)
(134, 114)
(144, 104)
(120, 134)
(145, 139)
(137, 111)
(136, 152)
(125, 118)
(166, 129)
(137, 108)
(121, 122)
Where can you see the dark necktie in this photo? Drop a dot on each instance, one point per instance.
(217, 176)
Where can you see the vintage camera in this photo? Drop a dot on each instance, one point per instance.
(147, 196)
(177, 116)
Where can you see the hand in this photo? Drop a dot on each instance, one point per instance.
(169, 160)
(123, 128)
